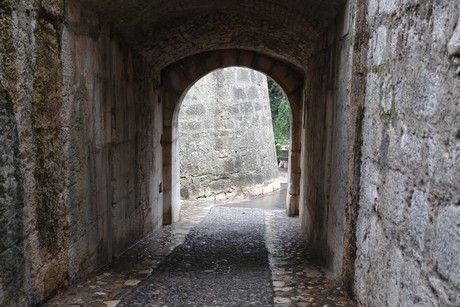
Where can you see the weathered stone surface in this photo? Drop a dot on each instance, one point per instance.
(327, 129)
(63, 191)
(50, 222)
(12, 260)
(287, 30)
(446, 243)
(406, 234)
(11, 207)
(227, 147)
(87, 146)
(31, 74)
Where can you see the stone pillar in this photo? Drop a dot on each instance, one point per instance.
(166, 142)
(292, 201)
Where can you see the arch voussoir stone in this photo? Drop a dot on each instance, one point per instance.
(175, 81)
(246, 58)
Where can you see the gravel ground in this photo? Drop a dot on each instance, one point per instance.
(223, 262)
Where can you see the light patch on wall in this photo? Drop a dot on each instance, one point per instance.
(343, 20)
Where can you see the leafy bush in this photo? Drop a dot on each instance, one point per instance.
(281, 116)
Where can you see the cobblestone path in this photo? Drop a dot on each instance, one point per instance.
(297, 278)
(223, 262)
(238, 256)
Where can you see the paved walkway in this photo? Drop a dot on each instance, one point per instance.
(162, 270)
(296, 277)
(223, 262)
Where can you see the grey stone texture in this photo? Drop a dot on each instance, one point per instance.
(222, 262)
(408, 231)
(226, 140)
(76, 190)
(88, 90)
(288, 30)
(11, 206)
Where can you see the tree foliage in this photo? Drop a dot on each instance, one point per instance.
(281, 115)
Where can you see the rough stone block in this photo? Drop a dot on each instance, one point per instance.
(245, 58)
(379, 44)
(388, 6)
(445, 247)
(176, 82)
(419, 218)
(229, 59)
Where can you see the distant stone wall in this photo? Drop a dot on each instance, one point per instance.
(226, 138)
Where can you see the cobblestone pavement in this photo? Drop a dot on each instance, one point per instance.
(223, 262)
(296, 280)
(296, 277)
(108, 286)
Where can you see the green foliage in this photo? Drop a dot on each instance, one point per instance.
(281, 116)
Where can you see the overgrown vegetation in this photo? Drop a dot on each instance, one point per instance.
(281, 117)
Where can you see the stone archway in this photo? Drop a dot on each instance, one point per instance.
(178, 77)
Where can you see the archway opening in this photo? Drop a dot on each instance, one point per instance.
(179, 77)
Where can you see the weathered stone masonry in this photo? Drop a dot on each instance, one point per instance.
(11, 215)
(89, 93)
(407, 228)
(81, 191)
(227, 147)
(113, 182)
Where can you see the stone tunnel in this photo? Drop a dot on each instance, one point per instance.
(90, 92)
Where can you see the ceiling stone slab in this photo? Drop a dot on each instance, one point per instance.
(166, 31)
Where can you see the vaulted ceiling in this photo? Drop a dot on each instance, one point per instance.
(165, 31)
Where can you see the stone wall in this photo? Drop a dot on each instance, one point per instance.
(326, 138)
(32, 201)
(381, 138)
(226, 138)
(408, 231)
(11, 207)
(85, 149)
(114, 178)
(80, 124)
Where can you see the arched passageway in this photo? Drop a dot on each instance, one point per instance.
(88, 93)
(179, 77)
